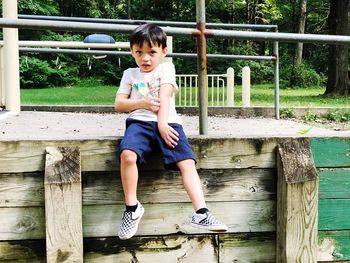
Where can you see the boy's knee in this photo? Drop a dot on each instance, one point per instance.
(128, 156)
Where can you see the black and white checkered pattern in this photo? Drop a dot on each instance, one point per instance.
(207, 221)
(130, 222)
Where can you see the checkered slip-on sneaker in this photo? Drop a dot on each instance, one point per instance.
(130, 222)
(208, 221)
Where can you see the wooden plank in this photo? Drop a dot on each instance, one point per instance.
(331, 152)
(20, 223)
(247, 247)
(334, 246)
(334, 183)
(26, 189)
(168, 249)
(63, 205)
(296, 204)
(100, 155)
(178, 248)
(29, 156)
(23, 251)
(334, 214)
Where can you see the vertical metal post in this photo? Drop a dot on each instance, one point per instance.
(2, 86)
(202, 68)
(11, 59)
(277, 81)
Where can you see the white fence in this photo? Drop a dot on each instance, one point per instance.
(220, 89)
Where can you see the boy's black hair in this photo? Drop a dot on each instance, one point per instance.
(150, 34)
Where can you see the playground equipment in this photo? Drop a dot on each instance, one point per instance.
(240, 176)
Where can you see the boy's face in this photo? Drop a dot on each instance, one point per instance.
(146, 57)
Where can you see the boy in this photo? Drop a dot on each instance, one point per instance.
(148, 93)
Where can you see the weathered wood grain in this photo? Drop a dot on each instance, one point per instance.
(334, 214)
(297, 204)
(296, 161)
(334, 246)
(247, 247)
(27, 189)
(159, 219)
(168, 249)
(331, 152)
(100, 155)
(334, 183)
(63, 205)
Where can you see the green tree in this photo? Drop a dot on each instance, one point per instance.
(338, 59)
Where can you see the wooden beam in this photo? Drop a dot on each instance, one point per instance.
(63, 205)
(297, 203)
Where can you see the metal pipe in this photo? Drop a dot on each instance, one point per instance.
(281, 37)
(202, 68)
(127, 53)
(70, 44)
(86, 27)
(276, 80)
(243, 35)
(159, 23)
(11, 59)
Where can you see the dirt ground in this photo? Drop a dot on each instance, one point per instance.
(32, 125)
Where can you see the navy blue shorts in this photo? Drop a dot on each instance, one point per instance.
(143, 138)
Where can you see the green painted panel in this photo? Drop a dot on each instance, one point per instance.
(334, 183)
(331, 152)
(334, 245)
(333, 214)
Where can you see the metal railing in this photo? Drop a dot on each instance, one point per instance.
(187, 94)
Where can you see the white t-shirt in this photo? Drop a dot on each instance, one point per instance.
(137, 84)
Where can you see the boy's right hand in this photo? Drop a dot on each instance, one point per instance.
(152, 103)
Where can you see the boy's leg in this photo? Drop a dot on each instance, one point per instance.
(134, 210)
(129, 176)
(203, 218)
(192, 183)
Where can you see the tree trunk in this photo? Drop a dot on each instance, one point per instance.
(300, 30)
(338, 78)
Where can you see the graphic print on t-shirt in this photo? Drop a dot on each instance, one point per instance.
(147, 88)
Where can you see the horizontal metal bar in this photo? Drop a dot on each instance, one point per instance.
(244, 35)
(70, 44)
(86, 27)
(160, 23)
(280, 37)
(127, 53)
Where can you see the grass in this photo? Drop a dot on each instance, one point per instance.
(87, 92)
(92, 92)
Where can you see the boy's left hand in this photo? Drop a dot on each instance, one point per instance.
(169, 135)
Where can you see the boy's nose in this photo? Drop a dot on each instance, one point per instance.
(145, 57)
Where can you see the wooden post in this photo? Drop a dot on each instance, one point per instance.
(63, 205)
(297, 203)
(246, 86)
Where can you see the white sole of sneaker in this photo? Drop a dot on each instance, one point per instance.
(212, 228)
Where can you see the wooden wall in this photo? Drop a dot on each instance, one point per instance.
(239, 178)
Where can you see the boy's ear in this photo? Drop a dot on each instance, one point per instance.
(165, 51)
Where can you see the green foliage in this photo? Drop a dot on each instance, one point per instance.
(37, 73)
(338, 116)
(301, 76)
(287, 113)
(38, 7)
(310, 116)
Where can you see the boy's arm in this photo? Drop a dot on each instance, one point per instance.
(124, 104)
(169, 135)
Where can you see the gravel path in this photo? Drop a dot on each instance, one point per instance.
(31, 125)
